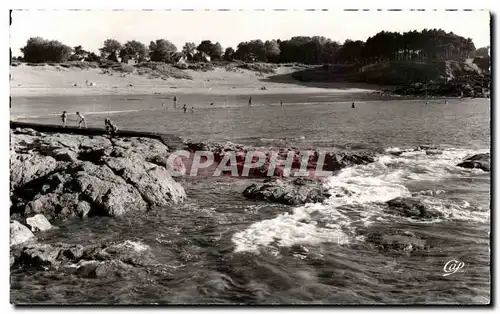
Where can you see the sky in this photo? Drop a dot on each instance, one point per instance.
(91, 27)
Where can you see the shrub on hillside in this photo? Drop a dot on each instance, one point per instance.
(259, 67)
(161, 69)
(201, 66)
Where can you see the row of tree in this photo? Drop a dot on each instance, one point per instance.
(433, 44)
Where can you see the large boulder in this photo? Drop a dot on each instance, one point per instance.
(479, 161)
(38, 223)
(19, 233)
(296, 192)
(153, 182)
(412, 208)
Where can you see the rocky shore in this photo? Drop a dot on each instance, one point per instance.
(60, 176)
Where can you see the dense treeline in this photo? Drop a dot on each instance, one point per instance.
(433, 44)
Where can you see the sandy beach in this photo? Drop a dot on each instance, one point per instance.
(27, 81)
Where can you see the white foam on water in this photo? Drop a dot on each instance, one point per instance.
(362, 189)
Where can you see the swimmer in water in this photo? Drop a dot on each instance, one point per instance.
(192, 109)
(281, 102)
(184, 108)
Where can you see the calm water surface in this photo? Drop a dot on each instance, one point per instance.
(219, 247)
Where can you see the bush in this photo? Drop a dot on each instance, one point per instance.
(259, 67)
(161, 69)
(201, 66)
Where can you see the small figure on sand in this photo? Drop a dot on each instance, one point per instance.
(353, 106)
(192, 109)
(110, 127)
(82, 120)
(184, 108)
(211, 104)
(175, 102)
(250, 101)
(64, 118)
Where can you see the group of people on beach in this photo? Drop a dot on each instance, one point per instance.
(82, 121)
(109, 126)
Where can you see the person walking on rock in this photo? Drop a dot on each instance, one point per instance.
(82, 120)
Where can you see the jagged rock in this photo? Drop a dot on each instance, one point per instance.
(413, 208)
(67, 176)
(40, 255)
(154, 183)
(337, 161)
(481, 161)
(38, 223)
(89, 261)
(19, 233)
(296, 192)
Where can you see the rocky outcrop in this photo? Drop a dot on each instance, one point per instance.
(296, 192)
(478, 161)
(333, 161)
(412, 208)
(86, 261)
(19, 233)
(66, 176)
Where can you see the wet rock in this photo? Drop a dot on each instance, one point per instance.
(397, 242)
(19, 233)
(38, 223)
(296, 192)
(104, 269)
(130, 252)
(480, 161)
(412, 208)
(333, 161)
(41, 255)
(338, 161)
(91, 258)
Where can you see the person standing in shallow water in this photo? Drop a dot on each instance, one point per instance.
(250, 101)
(353, 106)
(82, 120)
(281, 102)
(175, 102)
(184, 108)
(64, 118)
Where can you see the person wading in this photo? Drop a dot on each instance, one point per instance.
(82, 120)
(64, 118)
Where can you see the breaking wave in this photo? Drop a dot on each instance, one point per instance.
(358, 197)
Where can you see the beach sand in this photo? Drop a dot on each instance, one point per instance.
(27, 81)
